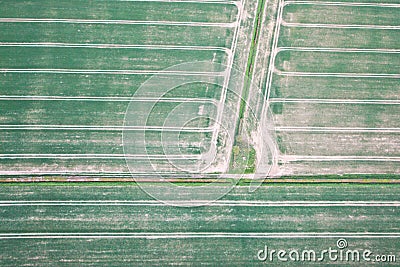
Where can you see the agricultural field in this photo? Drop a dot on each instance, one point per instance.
(85, 87)
(333, 87)
(180, 132)
(121, 225)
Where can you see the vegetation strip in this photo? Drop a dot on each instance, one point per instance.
(251, 58)
(96, 181)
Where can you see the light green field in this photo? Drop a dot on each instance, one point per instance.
(96, 85)
(113, 166)
(363, 88)
(101, 113)
(116, 34)
(119, 10)
(289, 192)
(88, 24)
(95, 142)
(59, 165)
(328, 167)
(357, 15)
(161, 112)
(61, 142)
(63, 113)
(210, 251)
(164, 219)
(229, 216)
(104, 142)
(343, 38)
(340, 144)
(338, 62)
(209, 219)
(134, 219)
(100, 58)
(337, 115)
(364, 1)
(335, 88)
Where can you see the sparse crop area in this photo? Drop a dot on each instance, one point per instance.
(334, 86)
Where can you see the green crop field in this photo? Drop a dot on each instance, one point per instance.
(120, 10)
(336, 14)
(338, 115)
(103, 217)
(70, 70)
(95, 59)
(367, 88)
(344, 38)
(334, 86)
(204, 132)
(337, 62)
(92, 33)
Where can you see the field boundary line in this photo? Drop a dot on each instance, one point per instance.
(115, 72)
(218, 203)
(116, 46)
(188, 1)
(294, 158)
(339, 26)
(339, 50)
(337, 74)
(335, 101)
(118, 22)
(327, 3)
(108, 128)
(337, 129)
(109, 99)
(99, 156)
(93, 176)
(229, 2)
(183, 235)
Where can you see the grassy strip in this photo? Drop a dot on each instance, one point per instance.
(299, 180)
(245, 92)
(251, 59)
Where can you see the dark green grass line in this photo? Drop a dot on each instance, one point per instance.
(349, 179)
